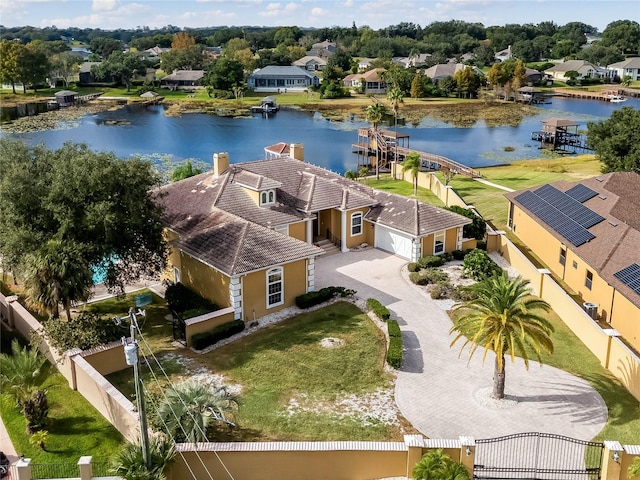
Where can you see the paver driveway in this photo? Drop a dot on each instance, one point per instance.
(442, 393)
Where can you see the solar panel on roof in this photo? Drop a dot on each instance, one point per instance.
(556, 219)
(581, 193)
(630, 276)
(570, 207)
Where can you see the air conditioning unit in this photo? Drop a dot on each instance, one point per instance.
(591, 309)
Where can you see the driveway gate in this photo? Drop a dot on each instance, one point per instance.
(537, 456)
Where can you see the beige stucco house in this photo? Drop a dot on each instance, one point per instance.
(243, 234)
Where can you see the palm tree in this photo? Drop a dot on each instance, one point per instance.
(23, 372)
(436, 465)
(375, 113)
(191, 407)
(506, 319)
(634, 468)
(412, 164)
(395, 96)
(57, 274)
(129, 463)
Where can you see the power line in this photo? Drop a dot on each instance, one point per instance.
(182, 401)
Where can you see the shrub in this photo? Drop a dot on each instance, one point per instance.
(482, 245)
(88, 330)
(418, 278)
(431, 261)
(204, 339)
(463, 294)
(477, 228)
(439, 291)
(434, 275)
(413, 267)
(394, 354)
(180, 299)
(478, 265)
(308, 300)
(380, 310)
(458, 254)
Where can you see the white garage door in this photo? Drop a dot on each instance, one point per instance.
(394, 242)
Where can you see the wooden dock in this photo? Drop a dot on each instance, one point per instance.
(382, 147)
(606, 96)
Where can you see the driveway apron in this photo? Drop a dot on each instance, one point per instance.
(438, 389)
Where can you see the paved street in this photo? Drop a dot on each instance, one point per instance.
(444, 395)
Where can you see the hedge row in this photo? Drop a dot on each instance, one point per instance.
(311, 299)
(380, 310)
(204, 339)
(394, 354)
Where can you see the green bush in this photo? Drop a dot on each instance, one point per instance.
(431, 261)
(435, 275)
(463, 294)
(477, 228)
(482, 245)
(180, 299)
(418, 278)
(86, 331)
(308, 300)
(439, 291)
(459, 254)
(478, 265)
(394, 354)
(380, 310)
(413, 267)
(205, 339)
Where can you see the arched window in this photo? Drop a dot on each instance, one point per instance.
(271, 195)
(263, 198)
(356, 224)
(275, 287)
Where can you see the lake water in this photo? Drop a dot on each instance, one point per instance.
(169, 140)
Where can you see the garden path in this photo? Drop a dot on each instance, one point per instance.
(438, 389)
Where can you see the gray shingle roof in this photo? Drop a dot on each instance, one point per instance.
(276, 71)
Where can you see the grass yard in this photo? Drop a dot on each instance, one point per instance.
(285, 365)
(401, 187)
(75, 427)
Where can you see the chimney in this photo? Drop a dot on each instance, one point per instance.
(220, 163)
(296, 150)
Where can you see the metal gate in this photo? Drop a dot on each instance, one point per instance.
(537, 456)
(179, 328)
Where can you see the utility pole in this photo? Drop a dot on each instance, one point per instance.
(131, 356)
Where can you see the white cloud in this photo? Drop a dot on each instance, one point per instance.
(318, 12)
(104, 5)
(291, 7)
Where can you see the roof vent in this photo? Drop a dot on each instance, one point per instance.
(603, 197)
(613, 223)
(600, 179)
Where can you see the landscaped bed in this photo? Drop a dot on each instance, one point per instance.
(317, 376)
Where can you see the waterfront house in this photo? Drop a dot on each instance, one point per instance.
(585, 70)
(627, 68)
(84, 74)
(311, 63)
(183, 80)
(243, 234)
(443, 70)
(587, 233)
(371, 81)
(282, 78)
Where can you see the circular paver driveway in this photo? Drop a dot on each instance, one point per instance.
(441, 392)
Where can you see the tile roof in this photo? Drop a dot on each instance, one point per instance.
(617, 238)
(219, 222)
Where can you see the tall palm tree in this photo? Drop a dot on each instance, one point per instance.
(191, 407)
(395, 97)
(412, 164)
(57, 274)
(505, 318)
(129, 463)
(375, 113)
(23, 372)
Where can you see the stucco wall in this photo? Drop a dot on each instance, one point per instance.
(298, 231)
(207, 322)
(204, 280)
(254, 288)
(106, 359)
(354, 241)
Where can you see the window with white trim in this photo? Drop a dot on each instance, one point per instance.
(438, 243)
(275, 287)
(268, 197)
(356, 224)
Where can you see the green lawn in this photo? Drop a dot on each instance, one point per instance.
(286, 362)
(75, 427)
(401, 187)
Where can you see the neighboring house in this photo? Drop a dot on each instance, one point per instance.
(585, 70)
(365, 64)
(212, 52)
(81, 52)
(588, 234)
(282, 78)
(323, 49)
(311, 63)
(533, 76)
(629, 67)
(153, 53)
(242, 235)
(84, 74)
(372, 81)
(443, 70)
(412, 61)
(503, 55)
(183, 79)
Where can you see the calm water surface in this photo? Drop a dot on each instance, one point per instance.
(148, 132)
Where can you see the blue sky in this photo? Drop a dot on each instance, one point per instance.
(112, 14)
